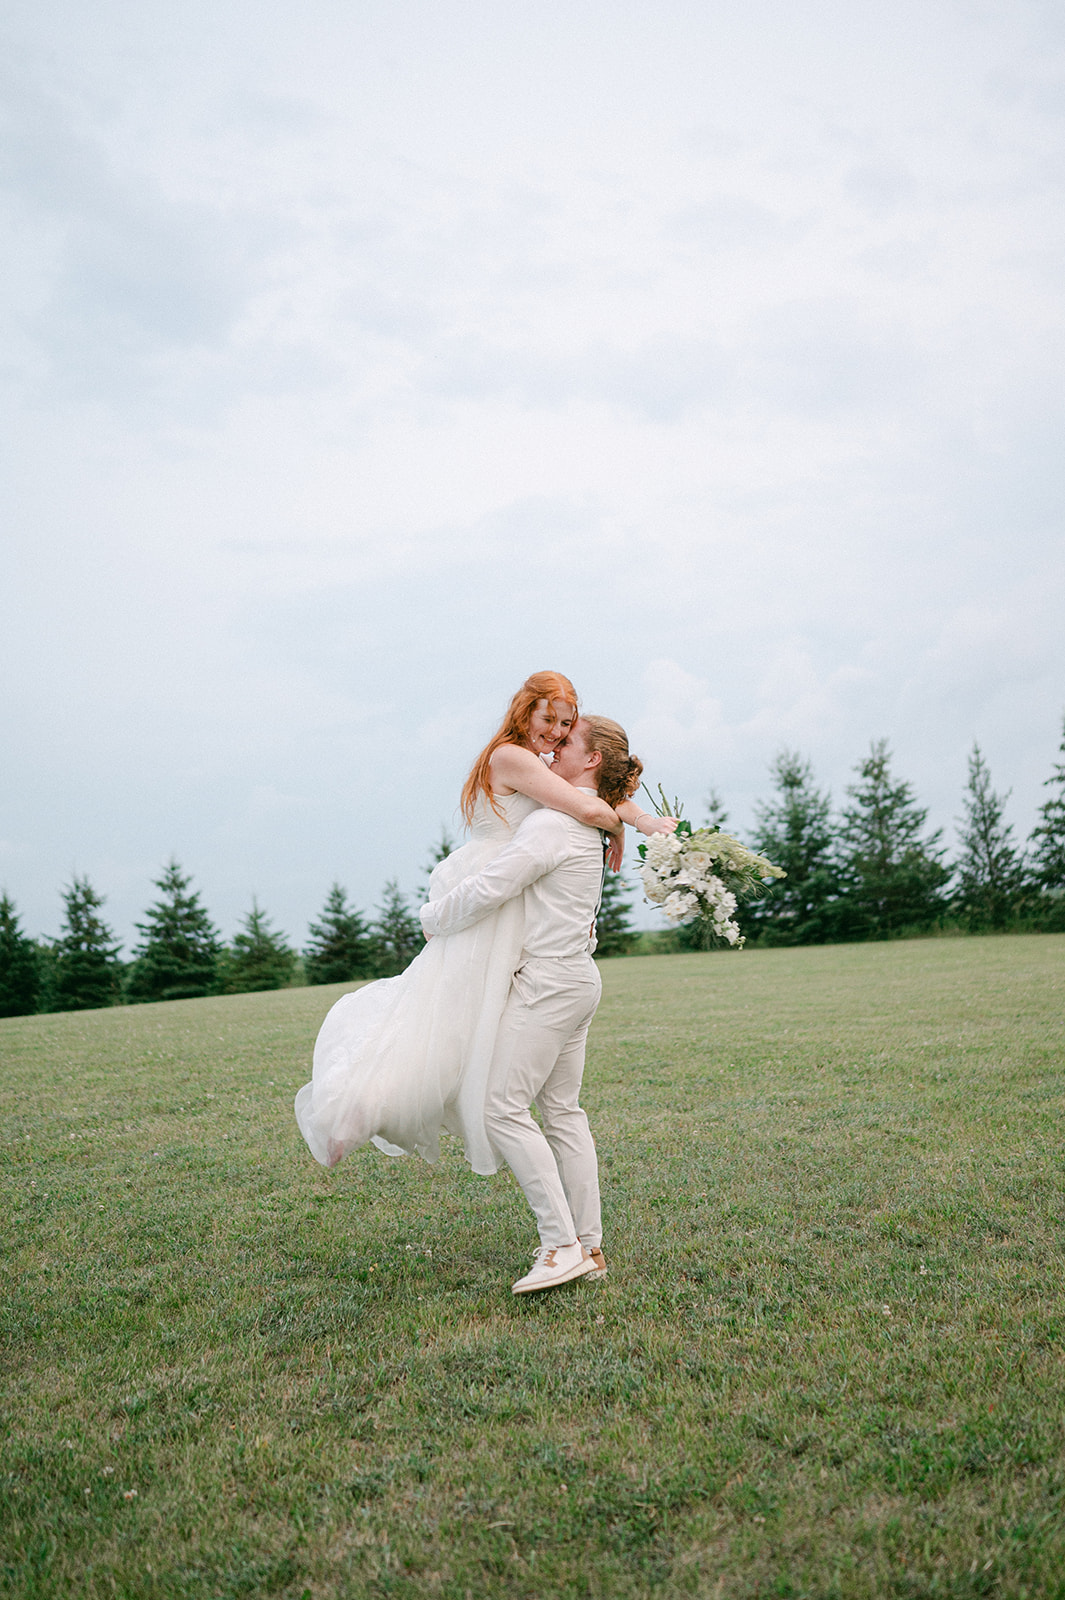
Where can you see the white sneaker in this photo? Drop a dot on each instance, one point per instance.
(552, 1265)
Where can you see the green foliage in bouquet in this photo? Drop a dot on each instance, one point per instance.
(697, 876)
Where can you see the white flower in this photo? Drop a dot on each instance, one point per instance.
(681, 906)
(654, 890)
(662, 848)
(679, 875)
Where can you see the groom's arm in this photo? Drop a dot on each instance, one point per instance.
(541, 843)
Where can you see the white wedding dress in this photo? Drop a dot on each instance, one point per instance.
(404, 1058)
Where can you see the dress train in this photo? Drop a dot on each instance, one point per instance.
(400, 1060)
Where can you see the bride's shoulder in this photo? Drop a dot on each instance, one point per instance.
(512, 755)
(511, 764)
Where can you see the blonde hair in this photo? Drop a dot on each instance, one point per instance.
(514, 729)
(619, 773)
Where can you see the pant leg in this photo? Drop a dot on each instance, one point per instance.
(549, 1009)
(570, 1139)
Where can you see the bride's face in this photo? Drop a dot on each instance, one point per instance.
(550, 722)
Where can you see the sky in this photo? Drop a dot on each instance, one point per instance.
(357, 360)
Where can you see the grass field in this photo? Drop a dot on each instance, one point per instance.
(827, 1360)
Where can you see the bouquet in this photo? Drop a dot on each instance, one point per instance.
(702, 873)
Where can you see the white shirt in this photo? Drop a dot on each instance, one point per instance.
(557, 863)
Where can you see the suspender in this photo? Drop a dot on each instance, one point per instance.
(602, 881)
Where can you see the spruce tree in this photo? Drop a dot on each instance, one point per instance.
(892, 874)
(86, 971)
(614, 931)
(397, 932)
(20, 967)
(258, 958)
(1047, 846)
(340, 947)
(714, 808)
(990, 871)
(178, 956)
(795, 832)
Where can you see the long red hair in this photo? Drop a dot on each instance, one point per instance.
(514, 729)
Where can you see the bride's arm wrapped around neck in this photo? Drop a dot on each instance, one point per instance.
(515, 768)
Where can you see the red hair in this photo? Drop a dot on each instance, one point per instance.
(514, 729)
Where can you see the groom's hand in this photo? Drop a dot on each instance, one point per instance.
(615, 851)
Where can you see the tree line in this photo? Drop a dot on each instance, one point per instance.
(870, 871)
(180, 954)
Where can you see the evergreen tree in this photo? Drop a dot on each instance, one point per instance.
(340, 947)
(795, 832)
(714, 807)
(178, 956)
(1047, 846)
(614, 930)
(258, 958)
(990, 871)
(397, 932)
(892, 877)
(46, 966)
(86, 971)
(20, 967)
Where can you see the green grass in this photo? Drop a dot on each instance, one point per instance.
(827, 1360)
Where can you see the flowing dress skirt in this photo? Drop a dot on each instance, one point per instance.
(400, 1060)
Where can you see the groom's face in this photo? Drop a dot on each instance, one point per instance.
(572, 756)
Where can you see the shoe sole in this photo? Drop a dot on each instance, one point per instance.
(580, 1269)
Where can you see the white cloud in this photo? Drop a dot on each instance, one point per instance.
(357, 363)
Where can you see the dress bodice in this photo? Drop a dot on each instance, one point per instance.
(487, 824)
(489, 833)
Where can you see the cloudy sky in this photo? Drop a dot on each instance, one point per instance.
(357, 359)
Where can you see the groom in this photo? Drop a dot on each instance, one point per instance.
(557, 864)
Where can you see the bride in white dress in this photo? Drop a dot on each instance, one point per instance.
(400, 1060)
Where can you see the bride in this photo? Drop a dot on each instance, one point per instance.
(399, 1060)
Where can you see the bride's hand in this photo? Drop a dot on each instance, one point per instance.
(648, 823)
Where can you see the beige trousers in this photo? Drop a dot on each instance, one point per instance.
(539, 1059)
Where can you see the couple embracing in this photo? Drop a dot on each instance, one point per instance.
(492, 1016)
